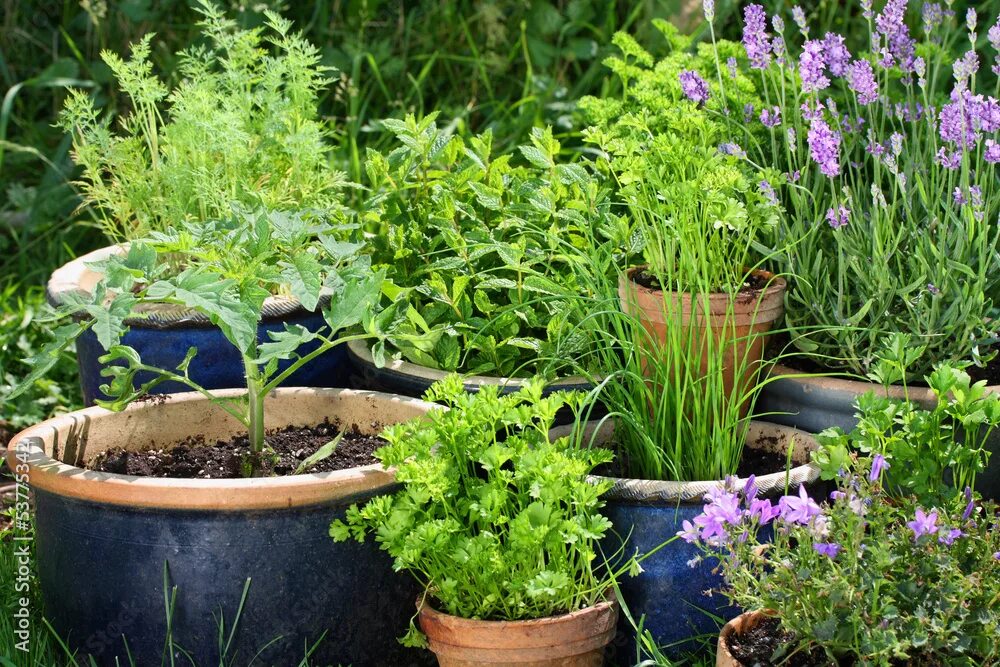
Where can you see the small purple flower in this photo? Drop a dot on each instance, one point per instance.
(837, 218)
(965, 67)
(799, 17)
(896, 143)
(837, 55)
(992, 153)
(709, 8)
(731, 65)
(971, 20)
(690, 534)
(976, 196)
(866, 6)
(932, 16)
(771, 117)
(763, 510)
(798, 509)
(837, 495)
(748, 113)
(947, 537)
(730, 148)
(891, 25)
(812, 64)
(824, 147)
(794, 176)
(971, 506)
(996, 556)
(959, 197)
(924, 523)
(694, 87)
(750, 486)
(933, 289)
(756, 40)
(879, 464)
(994, 36)
(950, 159)
(829, 549)
(768, 192)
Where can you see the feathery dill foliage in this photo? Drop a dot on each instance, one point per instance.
(470, 244)
(242, 125)
(495, 519)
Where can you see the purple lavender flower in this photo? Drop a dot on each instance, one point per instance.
(986, 114)
(748, 113)
(794, 176)
(924, 523)
(799, 17)
(730, 148)
(837, 218)
(771, 117)
(837, 55)
(976, 195)
(947, 537)
(798, 509)
(756, 40)
(824, 147)
(933, 17)
(965, 67)
(768, 192)
(971, 20)
(996, 556)
(956, 120)
(932, 288)
(862, 81)
(694, 87)
(879, 464)
(896, 143)
(812, 66)
(829, 549)
(959, 197)
(891, 25)
(866, 6)
(992, 153)
(951, 159)
(731, 66)
(709, 8)
(994, 36)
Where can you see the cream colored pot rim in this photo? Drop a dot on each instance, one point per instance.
(48, 474)
(836, 382)
(75, 277)
(360, 350)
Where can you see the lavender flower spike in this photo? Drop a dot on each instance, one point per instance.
(755, 37)
(812, 65)
(709, 7)
(862, 80)
(824, 147)
(694, 87)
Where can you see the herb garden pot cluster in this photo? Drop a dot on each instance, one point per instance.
(108, 544)
(164, 334)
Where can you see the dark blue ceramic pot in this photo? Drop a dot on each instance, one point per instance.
(108, 545)
(670, 593)
(164, 338)
(814, 403)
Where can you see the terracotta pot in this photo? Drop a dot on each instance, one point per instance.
(576, 639)
(106, 542)
(165, 335)
(735, 326)
(739, 625)
(669, 592)
(814, 402)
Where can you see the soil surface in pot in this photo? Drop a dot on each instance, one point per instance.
(752, 286)
(194, 458)
(754, 462)
(780, 344)
(756, 646)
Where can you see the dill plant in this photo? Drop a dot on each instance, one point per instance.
(241, 125)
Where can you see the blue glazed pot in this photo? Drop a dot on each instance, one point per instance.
(104, 542)
(669, 593)
(813, 403)
(164, 338)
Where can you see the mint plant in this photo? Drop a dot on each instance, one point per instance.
(231, 267)
(866, 579)
(495, 519)
(470, 242)
(242, 125)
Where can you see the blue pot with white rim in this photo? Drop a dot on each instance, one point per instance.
(164, 334)
(670, 592)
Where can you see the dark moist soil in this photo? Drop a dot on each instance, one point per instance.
(756, 646)
(780, 344)
(752, 286)
(194, 459)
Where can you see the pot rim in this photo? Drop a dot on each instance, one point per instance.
(776, 285)
(359, 351)
(259, 493)
(724, 658)
(75, 277)
(611, 601)
(836, 381)
(643, 490)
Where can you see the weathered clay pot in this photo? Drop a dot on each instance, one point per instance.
(105, 542)
(165, 335)
(739, 625)
(576, 639)
(736, 327)
(669, 592)
(815, 402)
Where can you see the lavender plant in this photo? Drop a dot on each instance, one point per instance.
(888, 172)
(860, 580)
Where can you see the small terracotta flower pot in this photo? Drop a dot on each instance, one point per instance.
(576, 639)
(739, 625)
(736, 326)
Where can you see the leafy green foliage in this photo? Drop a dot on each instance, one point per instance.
(243, 126)
(935, 450)
(699, 213)
(495, 519)
(471, 245)
(232, 267)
